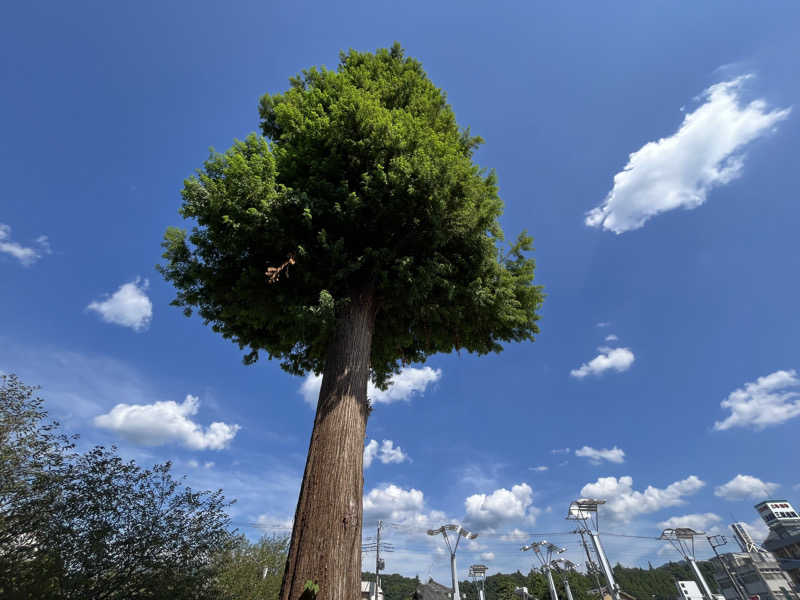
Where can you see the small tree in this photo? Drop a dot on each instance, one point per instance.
(360, 238)
(247, 570)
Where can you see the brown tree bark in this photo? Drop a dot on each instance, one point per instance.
(326, 539)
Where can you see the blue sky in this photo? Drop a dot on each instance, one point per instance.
(651, 151)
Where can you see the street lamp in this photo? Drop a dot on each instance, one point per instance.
(682, 539)
(568, 566)
(452, 547)
(478, 573)
(544, 551)
(584, 510)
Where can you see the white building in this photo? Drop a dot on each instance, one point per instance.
(689, 590)
(368, 591)
(758, 573)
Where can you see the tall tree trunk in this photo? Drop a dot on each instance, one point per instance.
(326, 539)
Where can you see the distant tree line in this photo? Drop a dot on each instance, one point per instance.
(644, 584)
(90, 525)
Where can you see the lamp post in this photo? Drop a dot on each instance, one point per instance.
(452, 547)
(682, 539)
(544, 552)
(584, 510)
(478, 574)
(568, 566)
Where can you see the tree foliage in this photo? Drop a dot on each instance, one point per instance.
(91, 525)
(247, 570)
(364, 183)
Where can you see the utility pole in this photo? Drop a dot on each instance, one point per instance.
(460, 532)
(584, 510)
(720, 540)
(379, 547)
(378, 558)
(682, 539)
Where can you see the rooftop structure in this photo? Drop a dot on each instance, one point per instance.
(758, 573)
(784, 533)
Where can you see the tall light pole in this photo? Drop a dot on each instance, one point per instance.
(452, 547)
(568, 567)
(682, 538)
(584, 510)
(544, 552)
(478, 574)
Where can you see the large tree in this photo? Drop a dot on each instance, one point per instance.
(356, 237)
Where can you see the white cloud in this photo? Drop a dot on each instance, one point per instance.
(486, 511)
(27, 255)
(603, 324)
(559, 451)
(624, 503)
(697, 521)
(515, 535)
(487, 556)
(616, 359)
(403, 507)
(596, 456)
(129, 306)
(270, 523)
(540, 468)
(406, 384)
(743, 487)
(611, 337)
(767, 401)
(386, 452)
(164, 422)
(679, 171)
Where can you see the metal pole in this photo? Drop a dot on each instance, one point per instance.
(739, 591)
(613, 589)
(456, 593)
(550, 583)
(706, 590)
(565, 579)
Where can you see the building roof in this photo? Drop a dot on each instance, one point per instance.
(432, 591)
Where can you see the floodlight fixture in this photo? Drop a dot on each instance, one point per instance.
(453, 546)
(478, 570)
(682, 539)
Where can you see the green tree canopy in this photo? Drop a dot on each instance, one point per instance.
(367, 183)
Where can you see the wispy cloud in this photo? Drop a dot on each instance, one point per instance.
(678, 171)
(386, 452)
(744, 487)
(612, 338)
(129, 306)
(696, 521)
(410, 382)
(596, 456)
(166, 422)
(608, 359)
(26, 255)
(770, 400)
(539, 469)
